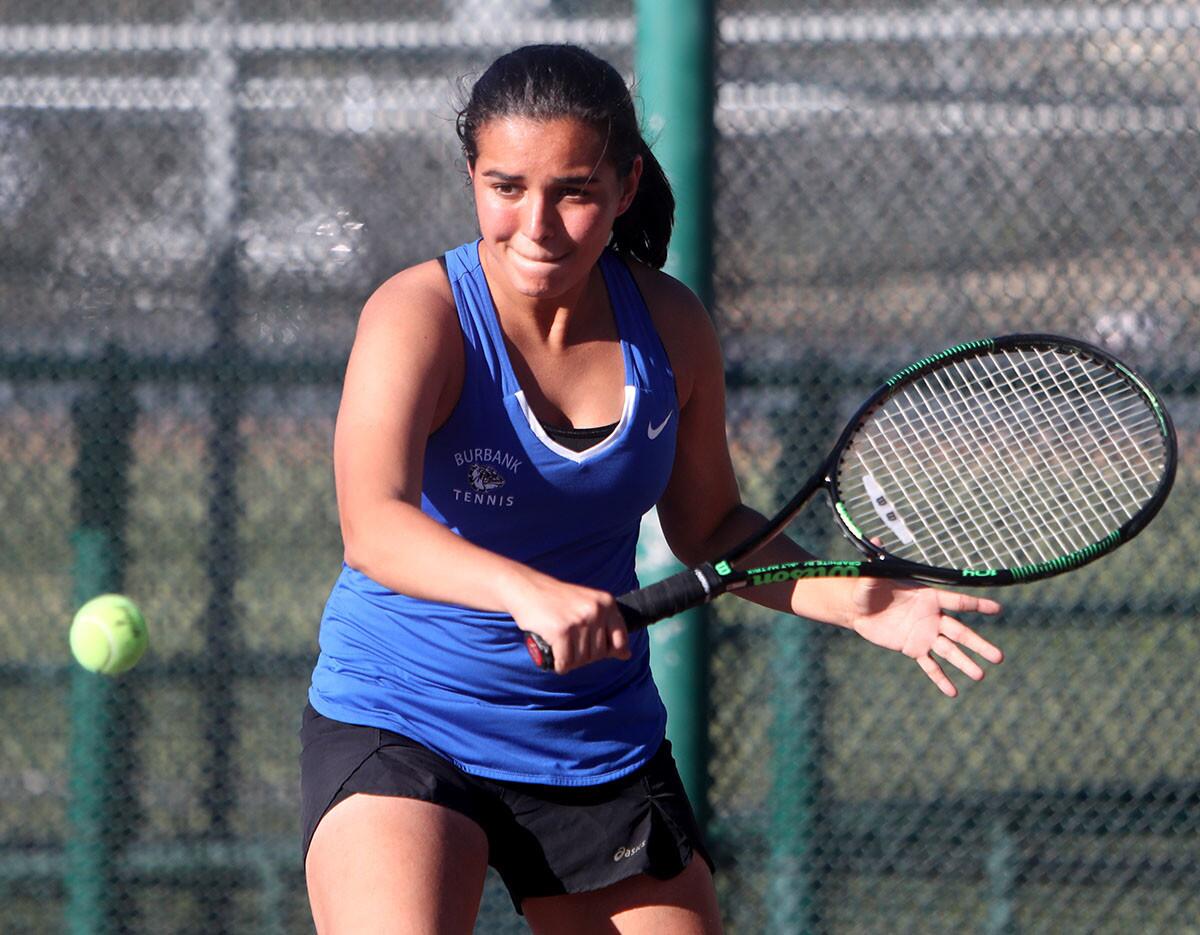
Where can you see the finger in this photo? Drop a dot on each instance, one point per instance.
(564, 658)
(948, 650)
(961, 633)
(937, 676)
(957, 602)
(574, 652)
(618, 638)
(599, 642)
(584, 641)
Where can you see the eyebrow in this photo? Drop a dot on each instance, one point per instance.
(574, 180)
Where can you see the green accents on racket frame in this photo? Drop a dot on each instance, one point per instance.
(995, 462)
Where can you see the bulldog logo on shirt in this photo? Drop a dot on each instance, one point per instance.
(484, 478)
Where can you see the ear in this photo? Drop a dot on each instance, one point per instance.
(629, 186)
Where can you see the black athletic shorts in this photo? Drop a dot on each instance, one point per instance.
(543, 840)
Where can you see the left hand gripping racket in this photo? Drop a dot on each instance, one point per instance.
(995, 462)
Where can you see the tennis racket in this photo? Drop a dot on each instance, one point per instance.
(995, 462)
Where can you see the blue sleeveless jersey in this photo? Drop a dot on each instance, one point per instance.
(460, 681)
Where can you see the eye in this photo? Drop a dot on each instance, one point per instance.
(504, 188)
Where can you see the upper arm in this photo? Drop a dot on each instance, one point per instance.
(702, 490)
(402, 380)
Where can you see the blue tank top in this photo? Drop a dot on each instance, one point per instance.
(460, 681)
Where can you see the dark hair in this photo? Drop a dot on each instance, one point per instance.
(546, 82)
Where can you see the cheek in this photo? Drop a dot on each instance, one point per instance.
(588, 222)
(495, 219)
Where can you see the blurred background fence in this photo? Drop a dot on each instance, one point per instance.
(195, 198)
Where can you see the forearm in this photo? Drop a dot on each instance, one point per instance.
(827, 600)
(402, 548)
(396, 544)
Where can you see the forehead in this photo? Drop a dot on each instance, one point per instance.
(510, 143)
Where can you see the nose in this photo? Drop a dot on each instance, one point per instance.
(540, 217)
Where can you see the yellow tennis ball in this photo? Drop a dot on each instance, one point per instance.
(108, 634)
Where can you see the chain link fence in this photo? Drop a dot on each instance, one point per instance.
(195, 198)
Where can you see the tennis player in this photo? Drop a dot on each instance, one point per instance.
(510, 411)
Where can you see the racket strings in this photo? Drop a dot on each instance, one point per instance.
(948, 502)
(929, 479)
(995, 477)
(945, 515)
(1005, 460)
(933, 470)
(1105, 454)
(1006, 472)
(1117, 447)
(1032, 453)
(1060, 446)
(1053, 434)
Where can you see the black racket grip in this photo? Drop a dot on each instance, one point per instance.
(640, 608)
(682, 591)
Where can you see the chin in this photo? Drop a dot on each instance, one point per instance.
(537, 288)
(540, 285)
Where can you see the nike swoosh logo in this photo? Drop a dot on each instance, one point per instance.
(653, 431)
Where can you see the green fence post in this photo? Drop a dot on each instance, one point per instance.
(675, 81)
(797, 669)
(1001, 867)
(676, 84)
(98, 809)
(795, 782)
(220, 69)
(678, 672)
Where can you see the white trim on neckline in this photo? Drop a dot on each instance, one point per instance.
(563, 451)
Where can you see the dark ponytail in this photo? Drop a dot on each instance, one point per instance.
(546, 82)
(644, 230)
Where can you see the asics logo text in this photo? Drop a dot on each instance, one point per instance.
(623, 852)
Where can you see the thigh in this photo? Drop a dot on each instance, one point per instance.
(396, 865)
(686, 904)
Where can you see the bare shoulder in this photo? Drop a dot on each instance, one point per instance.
(683, 324)
(408, 336)
(417, 297)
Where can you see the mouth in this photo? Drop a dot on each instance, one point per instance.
(547, 260)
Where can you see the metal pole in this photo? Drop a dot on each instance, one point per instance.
(674, 65)
(678, 654)
(220, 71)
(795, 830)
(1002, 868)
(674, 62)
(99, 811)
(792, 900)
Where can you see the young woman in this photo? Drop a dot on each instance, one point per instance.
(510, 411)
